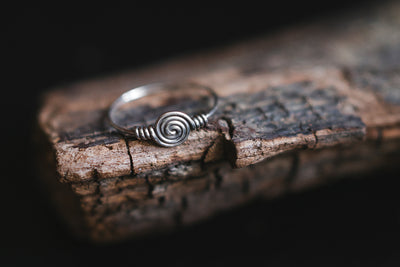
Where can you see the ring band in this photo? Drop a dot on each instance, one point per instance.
(172, 128)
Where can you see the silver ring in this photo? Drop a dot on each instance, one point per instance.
(172, 128)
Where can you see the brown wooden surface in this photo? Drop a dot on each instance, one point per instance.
(297, 108)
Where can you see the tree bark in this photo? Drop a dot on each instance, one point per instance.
(296, 109)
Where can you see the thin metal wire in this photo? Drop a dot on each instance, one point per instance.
(172, 128)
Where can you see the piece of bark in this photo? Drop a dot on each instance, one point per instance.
(295, 109)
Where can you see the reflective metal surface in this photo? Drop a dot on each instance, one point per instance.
(172, 128)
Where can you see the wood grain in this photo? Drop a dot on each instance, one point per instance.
(296, 108)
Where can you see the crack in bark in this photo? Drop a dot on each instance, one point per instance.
(316, 139)
(260, 110)
(97, 192)
(282, 107)
(229, 147)
(204, 155)
(311, 107)
(231, 127)
(132, 173)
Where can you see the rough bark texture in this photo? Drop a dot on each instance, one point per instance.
(297, 109)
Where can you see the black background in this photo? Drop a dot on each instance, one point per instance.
(350, 223)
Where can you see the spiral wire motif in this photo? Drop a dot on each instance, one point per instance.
(171, 128)
(200, 121)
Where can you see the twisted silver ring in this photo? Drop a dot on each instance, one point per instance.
(172, 128)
